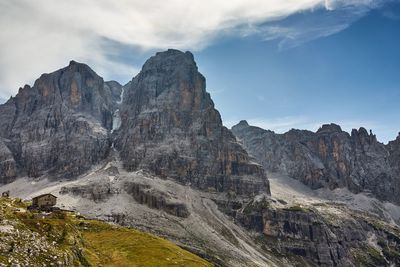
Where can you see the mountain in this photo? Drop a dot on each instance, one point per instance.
(170, 127)
(154, 155)
(60, 125)
(328, 158)
(131, 141)
(2, 100)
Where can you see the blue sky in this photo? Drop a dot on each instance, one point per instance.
(351, 78)
(278, 64)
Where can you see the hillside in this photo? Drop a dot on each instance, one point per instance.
(68, 239)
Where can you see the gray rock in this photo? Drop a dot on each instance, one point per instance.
(171, 128)
(60, 125)
(8, 170)
(328, 158)
(145, 194)
(322, 238)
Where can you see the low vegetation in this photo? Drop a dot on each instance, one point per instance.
(63, 238)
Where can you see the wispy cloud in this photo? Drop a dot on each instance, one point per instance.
(42, 35)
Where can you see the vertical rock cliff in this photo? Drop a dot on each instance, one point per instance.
(170, 127)
(329, 158)
(60, 125)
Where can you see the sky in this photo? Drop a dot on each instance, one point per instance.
(277, 64)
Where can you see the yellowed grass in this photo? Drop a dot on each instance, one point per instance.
(115, 246)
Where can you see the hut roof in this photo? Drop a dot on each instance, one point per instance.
(42, 195)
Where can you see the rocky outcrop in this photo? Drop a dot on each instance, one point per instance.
(352, 241)
(8, 171)
(145, 194)
(322, 235)
(96, 192)
(60, 125)
(394, 155)
(171, 128)
(304, 233)
(329, 158)
(102, 190)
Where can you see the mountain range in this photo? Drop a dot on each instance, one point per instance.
(328, 158)
(154, 155)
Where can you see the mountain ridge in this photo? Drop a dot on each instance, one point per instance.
(329, 157)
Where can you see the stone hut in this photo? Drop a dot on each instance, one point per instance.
(45, 201)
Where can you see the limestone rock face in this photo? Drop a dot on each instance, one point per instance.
(8, 171)
(329, 158)
(145, 194)
(328, 242)
(394, 155)
(325, 234)
(60, 125)
(171, 128)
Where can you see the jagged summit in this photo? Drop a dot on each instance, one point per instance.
(60, 124)
(171, 60)
(169, 126)
(330, 128)
(329, 158)
(243, 123)
(174, 52)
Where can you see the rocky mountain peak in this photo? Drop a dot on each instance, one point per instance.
(171, 62)
(330, 128)
(26, 87)
(173, 53)
(173, 70)
(329, 158)
(169, 126)
(242, 124)
(363, 136)
(60, 124)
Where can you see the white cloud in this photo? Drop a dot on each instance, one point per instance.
(43, 35)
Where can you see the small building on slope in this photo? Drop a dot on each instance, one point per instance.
(44, 202)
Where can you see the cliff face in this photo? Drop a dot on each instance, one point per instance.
(328, 158)
(394, 155)
(60, 124)
(171, 128)
(8, 170)
(347, 239)
(167, 124)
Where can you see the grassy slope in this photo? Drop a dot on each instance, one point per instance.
(72, 240)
